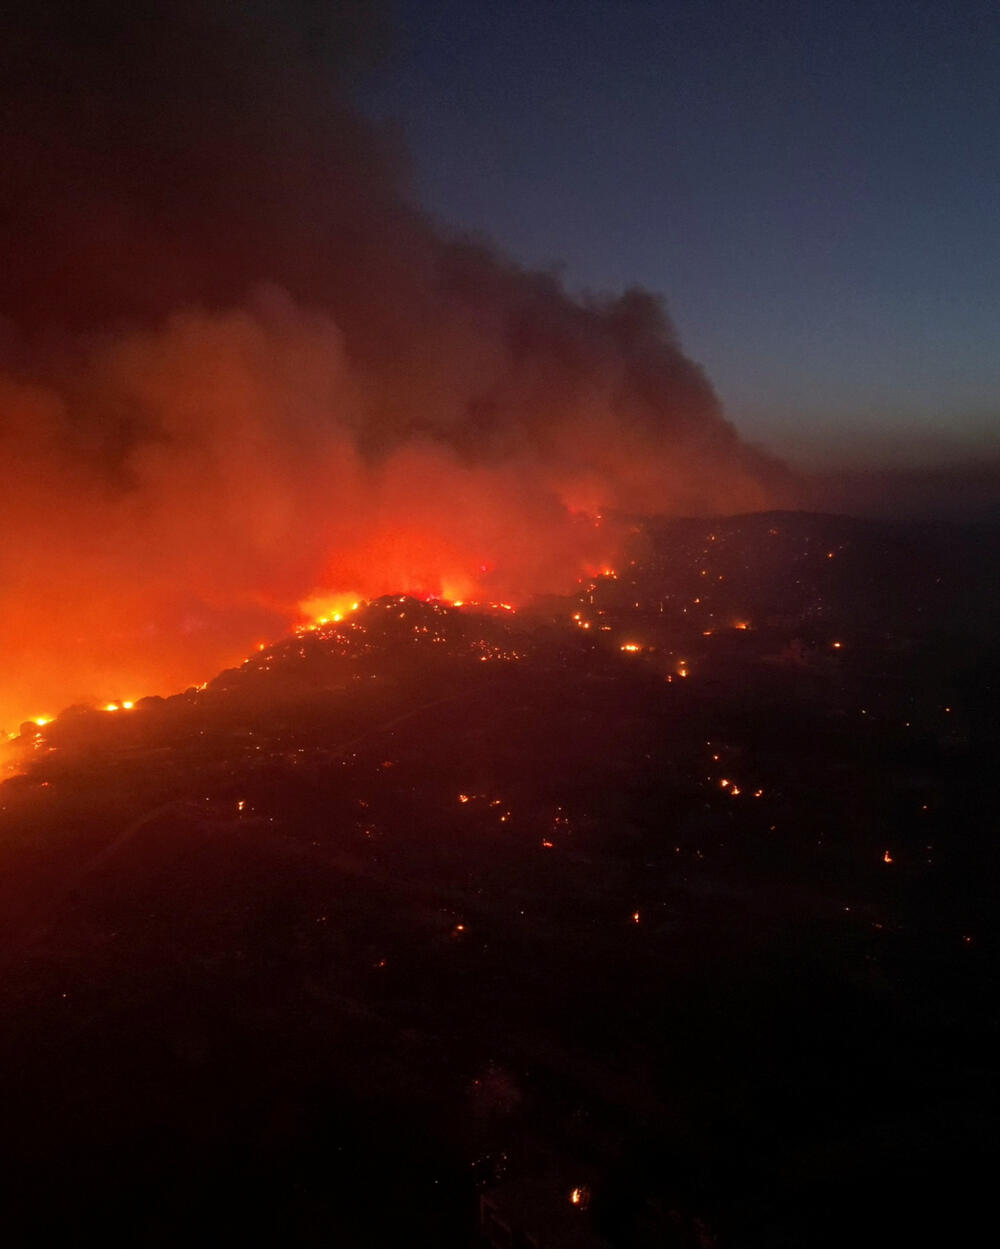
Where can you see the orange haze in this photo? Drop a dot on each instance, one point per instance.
(239, 371)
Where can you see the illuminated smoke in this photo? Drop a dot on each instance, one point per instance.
(239, 369)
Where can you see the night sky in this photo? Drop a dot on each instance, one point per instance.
(812, 187)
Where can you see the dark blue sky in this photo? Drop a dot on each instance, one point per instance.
(814, 188)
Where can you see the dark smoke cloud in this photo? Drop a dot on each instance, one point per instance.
(238, 366)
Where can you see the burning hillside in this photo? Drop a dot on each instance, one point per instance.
(430, 906)
(239, 371)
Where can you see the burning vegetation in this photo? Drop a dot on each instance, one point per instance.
(270, 380)
(499, 843)
(435, 903)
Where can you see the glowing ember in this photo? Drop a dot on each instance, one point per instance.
(322, 609)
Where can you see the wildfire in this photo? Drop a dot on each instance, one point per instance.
(323, 611)
(329, 608)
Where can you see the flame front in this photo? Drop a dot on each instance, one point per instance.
(272, 379)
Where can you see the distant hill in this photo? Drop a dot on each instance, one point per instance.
(907, 579)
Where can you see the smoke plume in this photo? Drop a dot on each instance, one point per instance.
(240, 370)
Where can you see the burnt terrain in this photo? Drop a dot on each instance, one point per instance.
(664, 915)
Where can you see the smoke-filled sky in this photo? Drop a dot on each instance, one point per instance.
(252, 360)
(813, 184)
(241, 369)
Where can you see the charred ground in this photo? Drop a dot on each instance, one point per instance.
(679, 894)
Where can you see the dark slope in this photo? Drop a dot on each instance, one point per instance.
(434, 903)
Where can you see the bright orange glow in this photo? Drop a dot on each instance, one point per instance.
(631, 647)
(887, 857)
(190, 644)
(326, 608)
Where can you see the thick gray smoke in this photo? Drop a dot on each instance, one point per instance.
(239, 368)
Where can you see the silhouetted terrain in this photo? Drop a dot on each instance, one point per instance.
(678, 896)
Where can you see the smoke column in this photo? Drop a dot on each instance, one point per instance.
(240, 369)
